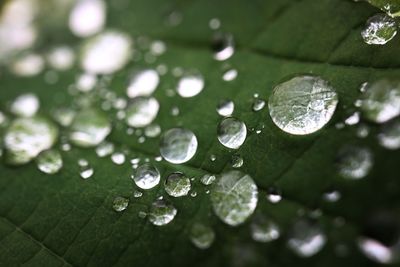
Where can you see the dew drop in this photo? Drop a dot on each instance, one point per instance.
(353, 119)
(86, 172)
(143, 83)
(354, 162)
(332, 196)
(208, 179)
(230, 75)
(146, 176)
(64, 116)
(25, 138)
(178, 145)
(302, 105)
(120, 204)
(27, 65)
(379, 30)
(118, 158)
(162, 212)
(264, 230)
(137, 194)
(177, 184)
(389, 136)
(25, 105)
(86, 82)
(190, 85)
(234, 197)
(377, 251)
(306, 239)
(225, 107)
(202, 236)
(61, 58)
(49, 161)
(104, 149)
(223, 46)
(87, 17)
(258, 104)
(232, 133)
(274, 195)
(89, 128)
(152, 130)
(236, 161)
(142, 111)
(214, 23)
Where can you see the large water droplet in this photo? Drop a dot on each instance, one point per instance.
(25, 105)
(146, 176)
(381, 101)
(120, 203)
(162, 212)
(234, 197)
(302, 105)
(354, 162)
(232, 133)
(87, 17)
(143, 83)
(225, 107)
(89, 128)
(178, 145)
(177, 184)
(25, 138)
(306, 239)
(49, 161)
(190, 85)
(389, 137)
(379, 30)
(142, 111)
(202, 236)
(106, 52)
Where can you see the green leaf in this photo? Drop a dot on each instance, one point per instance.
(64, 220)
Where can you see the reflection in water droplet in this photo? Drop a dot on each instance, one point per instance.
(25, 105)
(389, 136)
(143, 83)
(106, 53)
(354, 162)
(225, 107)
(178, 145)
(190, 85)
(381, 101)
(142, 111)
(302, 105)
(146, 176)
(177, 184)
(89, 128)
(232, 133)
(25, 138)
(208, 179)
(379, 30)
(87, 17)
(306, 239)
(202, 236)
(223, 46)
(120, 203)
(234, 197)
(49, 161)
(264, 230)
(162, 212)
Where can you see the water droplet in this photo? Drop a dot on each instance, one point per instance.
(190, 85)
(332, 196)
(230, 75)
(264, 230)
(49, 161)
(178, 145)
(302, 105)
(104, 149)
(87, 17)
(86, 82)
(232, 133)
(27, 65)
(208, 179)
(381, 101)
(120, 203)
(354, 162)
(377, 251)
(142, 111)
(137, 194)
(146, 176)
(177, 184)
(213, 157)
(236, 161)
(306, 239)
(379, 30)
(64, 116)
(353, 119)
(89, 128)
(158, 48)
(202, 236)
(193, 194)
(258, 104)
(162, 212)
(225, 108)
(61, 58)
(106, 53)
(25, 138)
(152, 130)
(274, 195)
(25, 105)
(362, 131)
(118, 158)
(143, 83)
(234, 197)
(86, 172)
(214, 24)
(223, 46)
(389, 136)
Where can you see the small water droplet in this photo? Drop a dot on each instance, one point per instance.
(202, 236)
(230, 75)
(302, 105)
(362, 131)
(377, 251)
(354, 162)
(142, 111)
(162, 212)
(258, 104)
(190, 85)
(27, 65)
(389, 136)
(236, 161)
(177, 184)
(49, 161)
(225, 107)
(158, 48)
(353, 119)
(87, 17)
(223, 46)
(118, 158)
(143, 83)
(332, 196)
(152, 130)
(137, 194)
(264, 230)
(379, 30)
(104, 149)
(213, 157)
(208, 179)
(193, 194)
(86, 172)
(146, 176)
(232, 133)
(234, 197)
(86, 82)
(64, 116)
(274, 195)
(214, 24)
(25, 105)
(178, 145)
(120, 204)
(61, 58)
